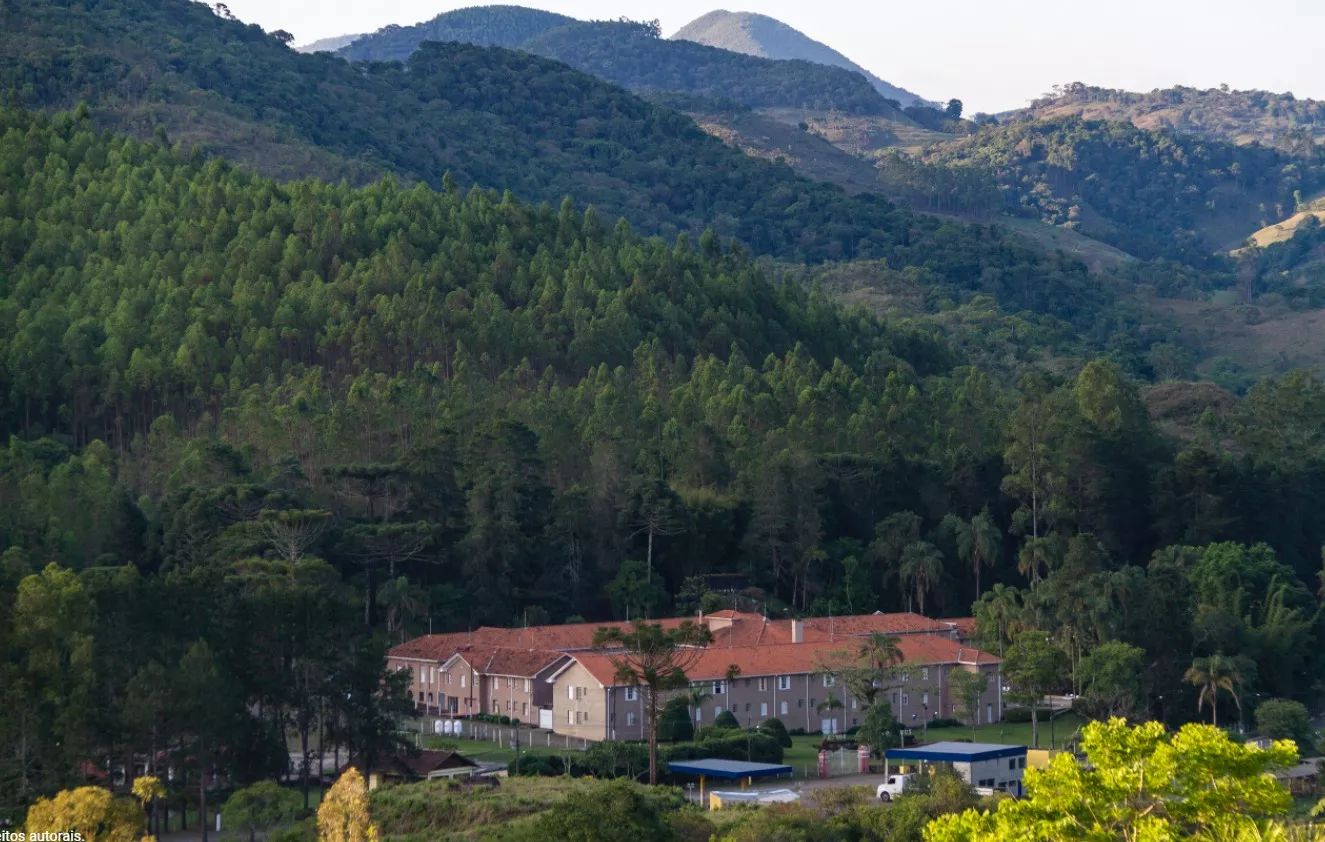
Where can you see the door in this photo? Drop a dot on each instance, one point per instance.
(545, 719)
(828, 726)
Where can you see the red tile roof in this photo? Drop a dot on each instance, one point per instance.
(796, 658)
(524, 663)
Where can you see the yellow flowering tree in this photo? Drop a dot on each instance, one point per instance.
(1140, 786)
(90, 811)
(343, 816)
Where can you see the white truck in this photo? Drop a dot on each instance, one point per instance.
(893, 787)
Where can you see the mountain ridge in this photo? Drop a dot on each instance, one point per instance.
(760, 35)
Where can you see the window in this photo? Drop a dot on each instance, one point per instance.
(853, 704)
(763, 708)
(906, 699)
(462, 679)
(1021, 763)
(717, 711)
(448, 678)
(784, 682)
(570, 717)
(586, 716)
(924, 699)
(496, 706)
(1012, 762)
(699, 713)
(570, 691)
(719, 687)
(830, 680)
(924, 673)
(510, 684)
(894, 700)
(526, 685)
(906, 676)
(630, 718)
(632, 694)
(784, 708)
(763, 685)
(747, 707)
(524, 708)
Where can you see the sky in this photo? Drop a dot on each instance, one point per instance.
(994, 55)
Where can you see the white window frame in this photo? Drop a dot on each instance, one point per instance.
(763, 709)
(924, 673)
(830, 680)
(784, 682)
(784, 707)
(906, 700)
(719, 687)
(632, 694)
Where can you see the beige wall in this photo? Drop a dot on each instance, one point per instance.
(579, 704)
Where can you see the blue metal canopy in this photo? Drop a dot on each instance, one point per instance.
(730, 769)
(951, 752)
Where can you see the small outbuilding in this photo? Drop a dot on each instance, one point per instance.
(985, 765)
(728, 770)
(414, 766)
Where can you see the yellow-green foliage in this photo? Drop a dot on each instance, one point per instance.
(1141, 785)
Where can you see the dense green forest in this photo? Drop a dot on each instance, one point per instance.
(483, 26)
(1281, 120)
(1152, 194)
(265, 409)
(636, 57)
(490, 117)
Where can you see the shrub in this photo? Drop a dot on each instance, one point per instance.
(1023, 714)
(945, 722)
(728, 721)
(774, 728)
(674, 724)
(1284, 719)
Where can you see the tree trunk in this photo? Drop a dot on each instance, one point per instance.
(1035, 727)
(202, 793)
(653, 737)
(303, 745)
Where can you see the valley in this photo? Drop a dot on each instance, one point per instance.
(512, 377)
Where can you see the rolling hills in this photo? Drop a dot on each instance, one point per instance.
(328, 45)
(766, 37)
(633, 56)
(1241, 117)
(487, 117)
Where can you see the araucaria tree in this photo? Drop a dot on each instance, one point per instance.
(646, 656)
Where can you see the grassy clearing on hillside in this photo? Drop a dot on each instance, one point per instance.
(1259, 340)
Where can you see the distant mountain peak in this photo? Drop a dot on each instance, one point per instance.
(760, 35)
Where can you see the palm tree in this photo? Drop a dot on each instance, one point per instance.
(830, 704)
(1034, 557)
(733, 671)
(695, 697)
(978, 543)
(880, 651)
(1002, 606)
(1212, 674)
(403, 601)
(922, 568)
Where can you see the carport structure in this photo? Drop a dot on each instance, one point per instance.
(727, 770)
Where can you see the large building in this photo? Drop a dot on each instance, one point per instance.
(554, 677)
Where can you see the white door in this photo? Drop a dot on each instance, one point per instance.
(828, 726)
(545, 719)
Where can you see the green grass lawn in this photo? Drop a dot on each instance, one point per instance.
(1010, 733)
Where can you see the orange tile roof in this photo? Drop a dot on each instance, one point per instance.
(524, 663)
(859, 625)
(796, 658)
(965, 625)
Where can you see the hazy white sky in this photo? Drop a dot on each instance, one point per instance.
(992, 54)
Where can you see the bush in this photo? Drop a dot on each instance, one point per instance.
(674, 725)
(945, 722)
(727, 721)
(1284, 719)
(533, 765)
(774, 728)
(1024, 715)
(503, 720)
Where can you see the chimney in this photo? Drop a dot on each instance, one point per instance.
(797, 631)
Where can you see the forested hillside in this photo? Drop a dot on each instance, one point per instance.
(636, 57)
(255, 431)
(485, 26)
(1241, 117)
(486, 116)
(763, 36)
(1152, 194)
